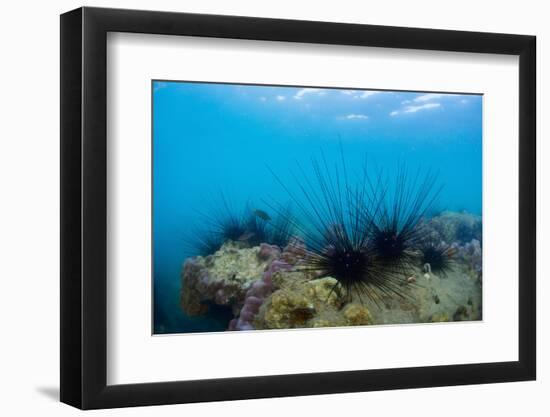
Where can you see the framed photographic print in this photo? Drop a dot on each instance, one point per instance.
(245, 200)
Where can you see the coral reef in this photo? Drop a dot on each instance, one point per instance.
(470, 254)
(302, 303)
(297, 302)
(259, 290)
(455, 227)
(224, 277)
(267, 288)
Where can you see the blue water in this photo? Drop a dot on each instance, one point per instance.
(213, 138)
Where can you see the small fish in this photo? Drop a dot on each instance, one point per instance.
(246, 236)
(261, 214)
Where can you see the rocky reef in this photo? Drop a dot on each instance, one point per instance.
(266, 288)
(463, 233)
(451, 226)
(224, 277)
(298, 302)
(256, 295)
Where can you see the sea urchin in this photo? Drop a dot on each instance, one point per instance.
(437, 258)
(396, 231)
(334, 219)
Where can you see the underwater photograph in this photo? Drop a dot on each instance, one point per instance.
(283, 207)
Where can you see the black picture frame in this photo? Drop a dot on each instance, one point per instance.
(84, 207)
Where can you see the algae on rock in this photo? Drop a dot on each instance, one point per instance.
(222, 278)
(299, 302)
(296, 299)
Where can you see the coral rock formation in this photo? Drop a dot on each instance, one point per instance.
(456, 227)
(256, 295)
(224, 277)
(269, 289)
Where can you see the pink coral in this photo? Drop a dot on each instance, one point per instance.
(256, 295)
(268, 252)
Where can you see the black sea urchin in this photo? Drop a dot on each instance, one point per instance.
(257, 230)
(249, 227)
(437, 258)
(396, 232)
(281, 228)
(217, 225)
(334, 219)
(227, 222)
(202, 243)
